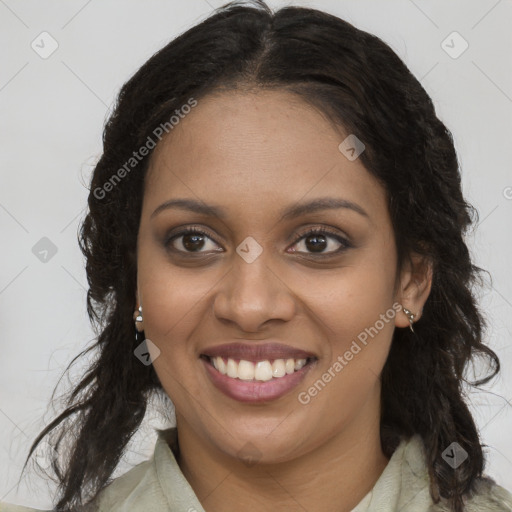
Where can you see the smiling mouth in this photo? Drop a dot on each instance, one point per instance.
(257, 371)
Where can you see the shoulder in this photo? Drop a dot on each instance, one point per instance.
(8, 507)
(153, 484)
(487, 496)
(133, 488)
(156, 485)
(138, 483)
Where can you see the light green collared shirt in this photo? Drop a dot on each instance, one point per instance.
(158, 485)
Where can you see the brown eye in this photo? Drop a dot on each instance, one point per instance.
(316, 243)
(322, 242)
(191, 240)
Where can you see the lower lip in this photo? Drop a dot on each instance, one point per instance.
(256, 391)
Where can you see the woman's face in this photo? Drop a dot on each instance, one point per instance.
(256, 277)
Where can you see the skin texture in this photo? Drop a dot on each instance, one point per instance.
(253, 154)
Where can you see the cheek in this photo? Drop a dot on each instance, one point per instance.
(356, 344)
(358, 329)
(173, 303)
(351, 298)
(354, 313)
(174, 299)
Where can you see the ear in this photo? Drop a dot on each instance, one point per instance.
(415, 283)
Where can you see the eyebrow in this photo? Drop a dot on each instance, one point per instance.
(295, 210)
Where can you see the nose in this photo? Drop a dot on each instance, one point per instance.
(253, 294)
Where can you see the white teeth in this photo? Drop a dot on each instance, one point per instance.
(299, 363)
(220, 365)
(260, 370)
(263, 370)
(245, 370)
(278, 368)
(232, 369)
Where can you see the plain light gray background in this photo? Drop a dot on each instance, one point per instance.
(53, 110)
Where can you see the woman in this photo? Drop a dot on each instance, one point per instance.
(278, 216)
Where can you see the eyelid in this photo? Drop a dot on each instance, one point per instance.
(334, 232)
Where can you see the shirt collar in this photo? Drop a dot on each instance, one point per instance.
(404, 484)
(175, 487)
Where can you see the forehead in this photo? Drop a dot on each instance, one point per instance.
(254, 149)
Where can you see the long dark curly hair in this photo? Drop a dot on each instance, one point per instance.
(356, 80)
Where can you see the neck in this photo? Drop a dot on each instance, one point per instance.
(334, 476)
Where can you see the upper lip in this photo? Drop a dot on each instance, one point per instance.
(256, 352)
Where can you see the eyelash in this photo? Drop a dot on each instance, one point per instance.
(345, 244)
